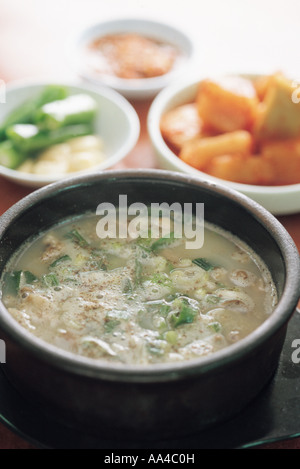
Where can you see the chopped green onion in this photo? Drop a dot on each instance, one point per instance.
(29, 277)
(98, 259)
(162, 242)
(203, 263)
(60, 260)
(77, 238)
(164, 310)
(186, 314)
(50, 280)
(12, 282)
(171, 337)
(216, 326)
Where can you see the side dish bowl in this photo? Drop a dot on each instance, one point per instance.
(160, 400)
(117, 124)
(279, 200)
(142, 88)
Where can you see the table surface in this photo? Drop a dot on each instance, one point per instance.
(33, 35)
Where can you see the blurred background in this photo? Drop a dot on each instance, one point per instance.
(231, 36)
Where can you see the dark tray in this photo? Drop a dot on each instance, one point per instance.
(273, 416)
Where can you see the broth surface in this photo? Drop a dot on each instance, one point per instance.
(137, 301)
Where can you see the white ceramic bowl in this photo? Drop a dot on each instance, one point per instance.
(131, 88)
(279, 200)
(117, 124)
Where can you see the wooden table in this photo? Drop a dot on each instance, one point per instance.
(31, 38)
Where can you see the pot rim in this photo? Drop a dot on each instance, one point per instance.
(164, 371)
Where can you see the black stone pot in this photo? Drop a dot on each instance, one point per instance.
(159, 400)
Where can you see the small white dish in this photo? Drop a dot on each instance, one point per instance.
(117, 124)
(143, 88)
(279, 200)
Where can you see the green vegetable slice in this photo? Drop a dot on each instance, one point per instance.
(162, 242)
(171, 337)
(164, 309)
(14, 280)
(215, 326)
(30, 277)
(77, 238)
(203, 263)
(76, 109)
(9, 156)
(60, 260)
(186, 314)
(28, 138)
(50, 280)
(24, 113)
(97, 259)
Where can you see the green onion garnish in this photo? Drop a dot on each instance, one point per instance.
(203, 263)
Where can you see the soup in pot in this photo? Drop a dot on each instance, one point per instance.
(137, 301)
